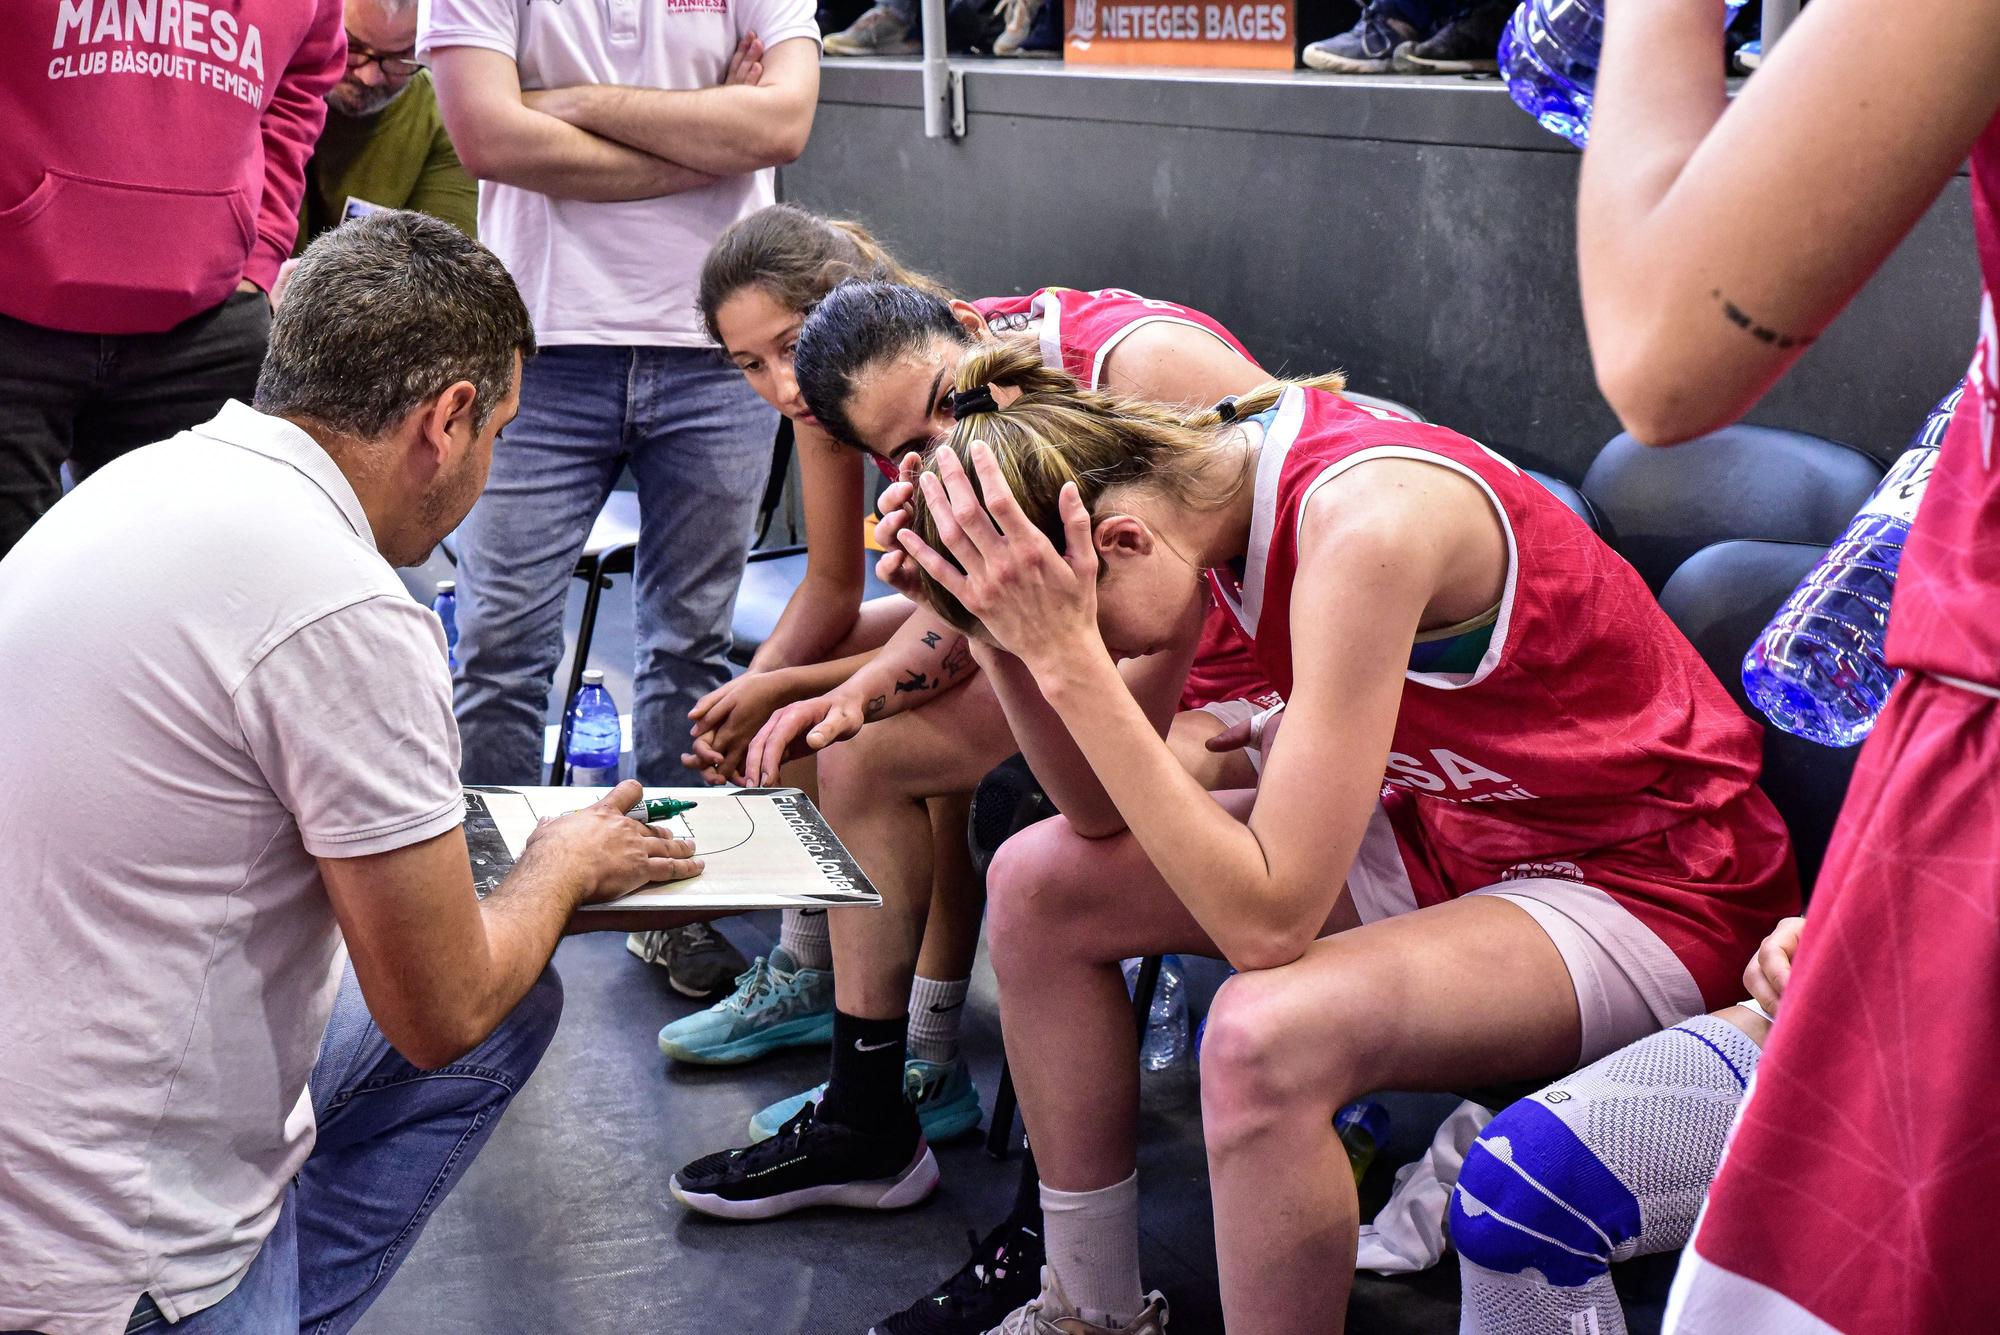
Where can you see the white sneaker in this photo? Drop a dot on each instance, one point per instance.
(1020, 16)
(1054, 1314)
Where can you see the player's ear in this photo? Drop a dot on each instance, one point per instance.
(1119, 536)
(969, 319)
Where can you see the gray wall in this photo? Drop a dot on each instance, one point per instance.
(1418, 234)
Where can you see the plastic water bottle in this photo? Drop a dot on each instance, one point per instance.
(1167, 1023)
(594, 736)
(446, 607)
(1548, 55)
(1817, 670)
(1363, 1129)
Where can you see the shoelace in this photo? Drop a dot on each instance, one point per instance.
(753, 984)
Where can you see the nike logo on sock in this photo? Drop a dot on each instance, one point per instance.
(859, 1046)
(945, 1010)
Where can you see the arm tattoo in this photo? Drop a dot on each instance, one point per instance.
(917, 681)
(959, 658)
(874, 708)
(931, 639)
(1763, 334)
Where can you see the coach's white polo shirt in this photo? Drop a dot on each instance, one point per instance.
(619, 273)
(208, 676)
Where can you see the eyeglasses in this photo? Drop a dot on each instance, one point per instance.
(396, 67)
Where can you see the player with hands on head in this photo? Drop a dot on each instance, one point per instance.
(1421, 892)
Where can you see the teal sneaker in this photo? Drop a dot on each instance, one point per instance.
(776, 1005)
(946, 1100)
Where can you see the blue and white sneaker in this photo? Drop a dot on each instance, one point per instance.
(776, 1004)
(946, 1100)
(1369, 47)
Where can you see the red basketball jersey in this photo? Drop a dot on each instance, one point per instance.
(1946, 615)
(1077, 331)
(1590, 743)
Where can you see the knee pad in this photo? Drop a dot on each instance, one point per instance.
(1610, 1162)
(1533, 1197)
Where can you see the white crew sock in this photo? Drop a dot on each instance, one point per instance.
(936, 1011)
(802, 932)
(1093, 1245)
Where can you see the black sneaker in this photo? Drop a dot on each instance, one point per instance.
(1002, 1274)
(807, 1163)
(1469, 44)
(699, 960)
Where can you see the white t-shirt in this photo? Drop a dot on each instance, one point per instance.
(208, 677)
(620, 274)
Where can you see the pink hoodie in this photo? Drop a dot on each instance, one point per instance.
(153, 153)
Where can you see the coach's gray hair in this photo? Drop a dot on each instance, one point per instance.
(385, 313)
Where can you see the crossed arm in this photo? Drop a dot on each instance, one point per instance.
(605, 142)
(1716, 241)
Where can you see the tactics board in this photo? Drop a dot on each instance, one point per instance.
(762, 847)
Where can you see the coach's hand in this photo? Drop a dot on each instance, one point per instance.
(1770, 972)
(1030, 598)
(606, 852)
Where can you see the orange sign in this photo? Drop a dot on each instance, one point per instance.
(1175, 32)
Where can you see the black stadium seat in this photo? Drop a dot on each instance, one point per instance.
(1740, 482)
(1573, 498)
(1721, 599)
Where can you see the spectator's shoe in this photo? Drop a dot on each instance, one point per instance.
(1019, 16)
(1052, 1313)
(1469, 44)
(1366, 48)
(1000, 1277)
(1748, 56)
(944, 1096)
(809, 1162)
(699, 961)
(776, 1005)
(879, 32)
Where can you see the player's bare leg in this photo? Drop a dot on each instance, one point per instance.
(874, 791)
(1469, 992)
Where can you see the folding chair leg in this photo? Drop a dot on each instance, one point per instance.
(595, 586)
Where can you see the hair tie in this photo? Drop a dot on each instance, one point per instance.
(1226, 410)
(966, 402)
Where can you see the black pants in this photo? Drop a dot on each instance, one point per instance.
(88, 398)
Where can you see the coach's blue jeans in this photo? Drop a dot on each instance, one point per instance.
(698, 440)
(393, 1140)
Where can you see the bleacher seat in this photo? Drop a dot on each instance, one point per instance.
(1750, 482)
(1722, 598)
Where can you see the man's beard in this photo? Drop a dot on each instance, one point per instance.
(354, 99)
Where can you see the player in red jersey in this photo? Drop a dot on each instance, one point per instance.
(896, 794)
(1510, 822)
(1853, 1188)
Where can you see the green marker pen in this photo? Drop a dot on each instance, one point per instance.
(658, 809)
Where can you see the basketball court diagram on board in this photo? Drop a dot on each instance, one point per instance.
(760, 847)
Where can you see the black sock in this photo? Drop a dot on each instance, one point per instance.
(865, 1091)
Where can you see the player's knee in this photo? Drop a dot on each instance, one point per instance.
(1046, 886)
(1534, 1199)
(1257, 1073)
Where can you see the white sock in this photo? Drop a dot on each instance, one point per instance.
(802, 932)
(1093, 1245)
(936, 1011)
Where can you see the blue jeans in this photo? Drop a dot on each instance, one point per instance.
(393, 1140)
(698, 439)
